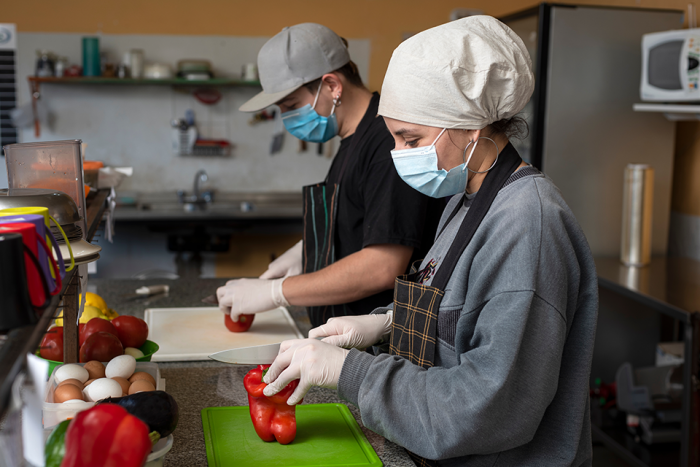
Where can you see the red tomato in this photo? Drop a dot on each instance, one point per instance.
(96, 325)
(51, 347)
(81, 334)
(132, 331)
(100, 346)
(244, 323)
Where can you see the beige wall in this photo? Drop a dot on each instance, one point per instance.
(384, 22)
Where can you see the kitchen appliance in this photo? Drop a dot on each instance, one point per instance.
(36, 281)
(196, 333)
(671, 66)
(327, 435)
(583, 129)
(58, 208)
(42, 231)
(55, 165)
(16, 307)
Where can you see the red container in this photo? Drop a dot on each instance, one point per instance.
(34, 276)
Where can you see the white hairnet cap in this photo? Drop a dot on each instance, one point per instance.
(464, 74)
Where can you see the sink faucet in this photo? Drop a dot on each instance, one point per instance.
(200, 176)
(198, 200)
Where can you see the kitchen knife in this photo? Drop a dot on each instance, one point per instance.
(255, 355)
(211, 300)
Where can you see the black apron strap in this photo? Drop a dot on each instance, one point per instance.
(509, 160)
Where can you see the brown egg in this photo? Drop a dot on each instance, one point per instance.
(123, 382)
(140, 386)
(142, 375)
(95, 369)
(67, 392)
(72, 381)
(87, 383)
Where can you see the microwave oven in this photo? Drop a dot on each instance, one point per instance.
(671, 66)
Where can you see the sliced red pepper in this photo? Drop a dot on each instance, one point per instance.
(108, 436)
(271, 416)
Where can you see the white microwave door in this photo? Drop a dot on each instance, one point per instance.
(670, 62)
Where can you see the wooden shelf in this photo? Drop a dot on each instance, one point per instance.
(673, 112)
(223, 82)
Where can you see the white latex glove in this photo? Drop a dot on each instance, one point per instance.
(313, 362)
(288, 264)
(249, 296)
(357, 332)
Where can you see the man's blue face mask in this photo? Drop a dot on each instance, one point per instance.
(307, 125)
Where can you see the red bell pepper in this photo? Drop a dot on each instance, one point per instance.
(108, 436)
(272, 417)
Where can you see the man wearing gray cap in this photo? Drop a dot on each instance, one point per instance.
(363, 225)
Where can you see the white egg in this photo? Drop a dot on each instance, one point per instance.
(73, 401)
(134, 352)
(123, 365)
(103, 388)
(71, 371)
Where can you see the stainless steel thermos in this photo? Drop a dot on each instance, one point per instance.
(637, 207)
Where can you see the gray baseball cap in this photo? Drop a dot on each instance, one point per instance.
(297, 55)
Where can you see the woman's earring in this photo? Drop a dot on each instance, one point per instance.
(336, 101)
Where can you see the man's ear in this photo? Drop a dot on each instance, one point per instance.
(334, 83)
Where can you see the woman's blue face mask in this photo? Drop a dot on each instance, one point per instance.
(418, 167)
(307, 125)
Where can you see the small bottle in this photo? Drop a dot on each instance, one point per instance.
(136, 63)
(44, 64)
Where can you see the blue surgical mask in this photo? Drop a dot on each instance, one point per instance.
(307, 125)
(418, 167)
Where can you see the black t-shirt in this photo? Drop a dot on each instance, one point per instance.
(376, 207)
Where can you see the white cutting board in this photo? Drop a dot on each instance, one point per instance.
(196, 333)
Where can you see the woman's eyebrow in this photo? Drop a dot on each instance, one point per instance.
(404, 131)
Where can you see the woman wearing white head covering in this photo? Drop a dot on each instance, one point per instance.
(484, 356)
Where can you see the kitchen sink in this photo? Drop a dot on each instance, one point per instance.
(215, 204)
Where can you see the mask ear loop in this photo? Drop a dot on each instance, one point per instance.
(336, 101)
(471, 153)
(318, 92)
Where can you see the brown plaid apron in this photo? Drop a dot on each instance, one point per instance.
(415, 316)
(320, 214)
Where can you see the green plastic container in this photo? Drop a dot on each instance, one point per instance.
(148, 348)
(327, 435)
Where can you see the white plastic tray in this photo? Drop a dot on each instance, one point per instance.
(195, 333)
(53, 413)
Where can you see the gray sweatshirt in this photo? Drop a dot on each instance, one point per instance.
(515, 338)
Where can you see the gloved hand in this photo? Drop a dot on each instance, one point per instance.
(288, 264)
(357, 332)
(249, 296)
(313, 362)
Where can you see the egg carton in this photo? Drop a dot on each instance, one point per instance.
(54, 413)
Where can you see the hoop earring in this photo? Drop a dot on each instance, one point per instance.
(464, 156)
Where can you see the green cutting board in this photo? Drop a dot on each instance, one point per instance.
(327, 435)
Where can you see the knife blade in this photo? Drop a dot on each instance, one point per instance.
(255, 355)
